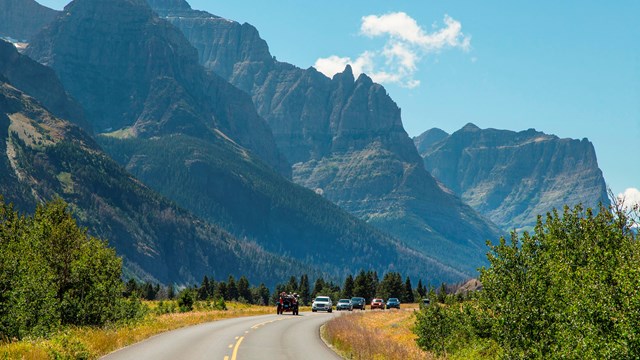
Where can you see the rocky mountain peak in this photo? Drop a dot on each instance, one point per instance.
(470, 127)
(428, 138)
(22, 19)
(512, 177)
(136, 74)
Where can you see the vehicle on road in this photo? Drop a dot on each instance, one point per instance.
(322, 303)
(425, 302)
(393, 303)
(358, 303)
(344, 304)
(287, 303)
(377, 304)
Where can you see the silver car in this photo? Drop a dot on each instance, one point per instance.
(322, 303)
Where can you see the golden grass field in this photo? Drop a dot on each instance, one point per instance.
(375, 335)
(91, 343)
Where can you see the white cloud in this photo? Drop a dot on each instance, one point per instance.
(630, 197)
(407, 43)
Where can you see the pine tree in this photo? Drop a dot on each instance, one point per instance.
(204, 290)
(318, 287)
(292, 286)
(408, 292)
(305, 297)
(361, 286)
(347, 289)
(243, 290)
(232, 289)
(422, 291)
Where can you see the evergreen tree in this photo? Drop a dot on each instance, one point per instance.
(442, 293)
(347, 289)
(171, 292)
(318, 287)
(305, 296)
(408, 292)
(263, 295)
(243, 290)
(422, 291)
(204, 290)
(232, 289)
(361, 286)
(221, 291)
(292, 285)
(372, 284)
(391, 286)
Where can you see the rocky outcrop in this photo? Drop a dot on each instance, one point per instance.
(136, 73)
(40, 82)
(22, 19)
(512, 177)
(345, 138)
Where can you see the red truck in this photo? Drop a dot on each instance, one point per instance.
(288, 303)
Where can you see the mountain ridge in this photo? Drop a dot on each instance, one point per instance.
(514, 176)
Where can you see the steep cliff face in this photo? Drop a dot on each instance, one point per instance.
(22, 19)
(134, 72)
(40, 82)
(345, 138)
(512, 177)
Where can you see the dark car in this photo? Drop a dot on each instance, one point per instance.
(393, 303)
(358, 303)
(344, 304)
(425, 303)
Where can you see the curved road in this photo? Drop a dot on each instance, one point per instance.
(256, 337)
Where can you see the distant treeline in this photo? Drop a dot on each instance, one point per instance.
(364, 284)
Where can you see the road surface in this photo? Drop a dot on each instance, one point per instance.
(257, 337)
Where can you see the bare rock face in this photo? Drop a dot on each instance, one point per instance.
(136, 73)
(512, 177)
(346, 140)
(40, 82)
(22, 19)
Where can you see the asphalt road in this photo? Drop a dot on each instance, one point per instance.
(258, 337)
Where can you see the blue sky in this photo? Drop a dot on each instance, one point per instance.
(570, 68)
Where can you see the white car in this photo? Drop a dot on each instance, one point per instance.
(322, 303)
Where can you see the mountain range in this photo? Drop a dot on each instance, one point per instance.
(182, 131)
(344, 138)
(175, 134)
(512, 177)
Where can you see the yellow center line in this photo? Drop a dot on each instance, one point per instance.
(234, 355)
(226, 357)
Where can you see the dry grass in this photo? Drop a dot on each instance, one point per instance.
(91, 343)
(375, 335)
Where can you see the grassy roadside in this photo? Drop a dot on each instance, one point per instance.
(91, 343)
(376, 335)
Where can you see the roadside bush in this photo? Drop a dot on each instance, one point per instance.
(186, 299)
(568, 290)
